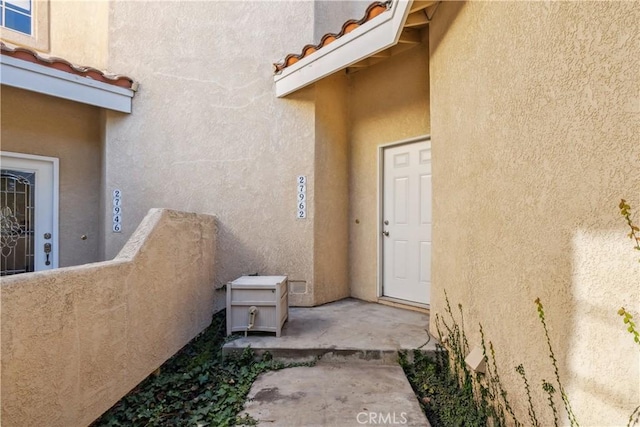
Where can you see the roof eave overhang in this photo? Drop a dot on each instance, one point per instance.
(49, 81)
(368, 39)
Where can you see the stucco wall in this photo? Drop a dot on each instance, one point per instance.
(78, 31)
(71, 132)
(535, 133)
(75, 30)
(331, 219)
(388, 102)
(330, 15)
(75, 340)
(207, 133)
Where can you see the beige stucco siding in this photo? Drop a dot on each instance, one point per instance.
(75, 30)
(330, 15)
(207, 133)
(75, 340)
(388, 102)
(78, 32)
(331, 203)
(535, 138)
(70, 132)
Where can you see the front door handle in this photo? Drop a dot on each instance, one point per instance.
(385, 233)
(47, 252)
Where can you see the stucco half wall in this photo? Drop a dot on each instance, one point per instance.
(535, 124)
(77, 339)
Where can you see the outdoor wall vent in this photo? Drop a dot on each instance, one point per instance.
(476, 360)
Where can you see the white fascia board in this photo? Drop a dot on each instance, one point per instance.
(373, 36)
(49, 81)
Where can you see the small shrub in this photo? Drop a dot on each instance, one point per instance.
(441, 396)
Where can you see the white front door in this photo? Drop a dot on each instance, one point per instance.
(28, 213)
(406, 222)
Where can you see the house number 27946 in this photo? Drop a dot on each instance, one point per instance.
(117, 211)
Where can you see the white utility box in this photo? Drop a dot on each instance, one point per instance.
(257, 303)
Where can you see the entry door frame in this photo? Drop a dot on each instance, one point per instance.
(56, 193)
(380, 203)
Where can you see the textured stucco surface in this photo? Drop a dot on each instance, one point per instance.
(330, 15)
(535, 120)
(207, 133)
(75, 30)
(69, 131)
(78, 31)
(76, 339)
(331, 219)
(388, 102)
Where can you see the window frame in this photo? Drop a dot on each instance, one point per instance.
(39, 38)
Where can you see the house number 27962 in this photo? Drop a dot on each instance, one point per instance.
(301, 199)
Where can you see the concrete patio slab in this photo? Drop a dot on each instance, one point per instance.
(348, 329)
(331, 394)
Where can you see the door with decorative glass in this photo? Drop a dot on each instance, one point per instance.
(28, 213)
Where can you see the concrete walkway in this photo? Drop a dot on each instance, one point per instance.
(335, 394)
(357, 380)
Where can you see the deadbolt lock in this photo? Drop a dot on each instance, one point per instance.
(386, 222)
(47, 236)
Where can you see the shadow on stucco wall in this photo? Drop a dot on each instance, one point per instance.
(453, 8)
(535, 140)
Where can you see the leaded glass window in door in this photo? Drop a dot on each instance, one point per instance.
(17, 222)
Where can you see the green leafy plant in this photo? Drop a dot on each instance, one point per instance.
(634, 234)
(449, 392)
(196, 387)
(437, 387)
(550, 390)
(554, 362)
(532, 412)
(446, 374)
(492, 388)
(627, 318)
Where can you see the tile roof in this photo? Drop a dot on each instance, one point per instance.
(64, 65)
(373, 10)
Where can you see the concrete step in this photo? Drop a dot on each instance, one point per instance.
(344, 331)
(331, 394)
(329, 355)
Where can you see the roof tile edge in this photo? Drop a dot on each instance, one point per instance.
(66, 66)
(373, 10)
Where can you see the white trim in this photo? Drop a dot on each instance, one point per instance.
(49, 81)
(378, 34)
(56, 197)
(380, 202)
